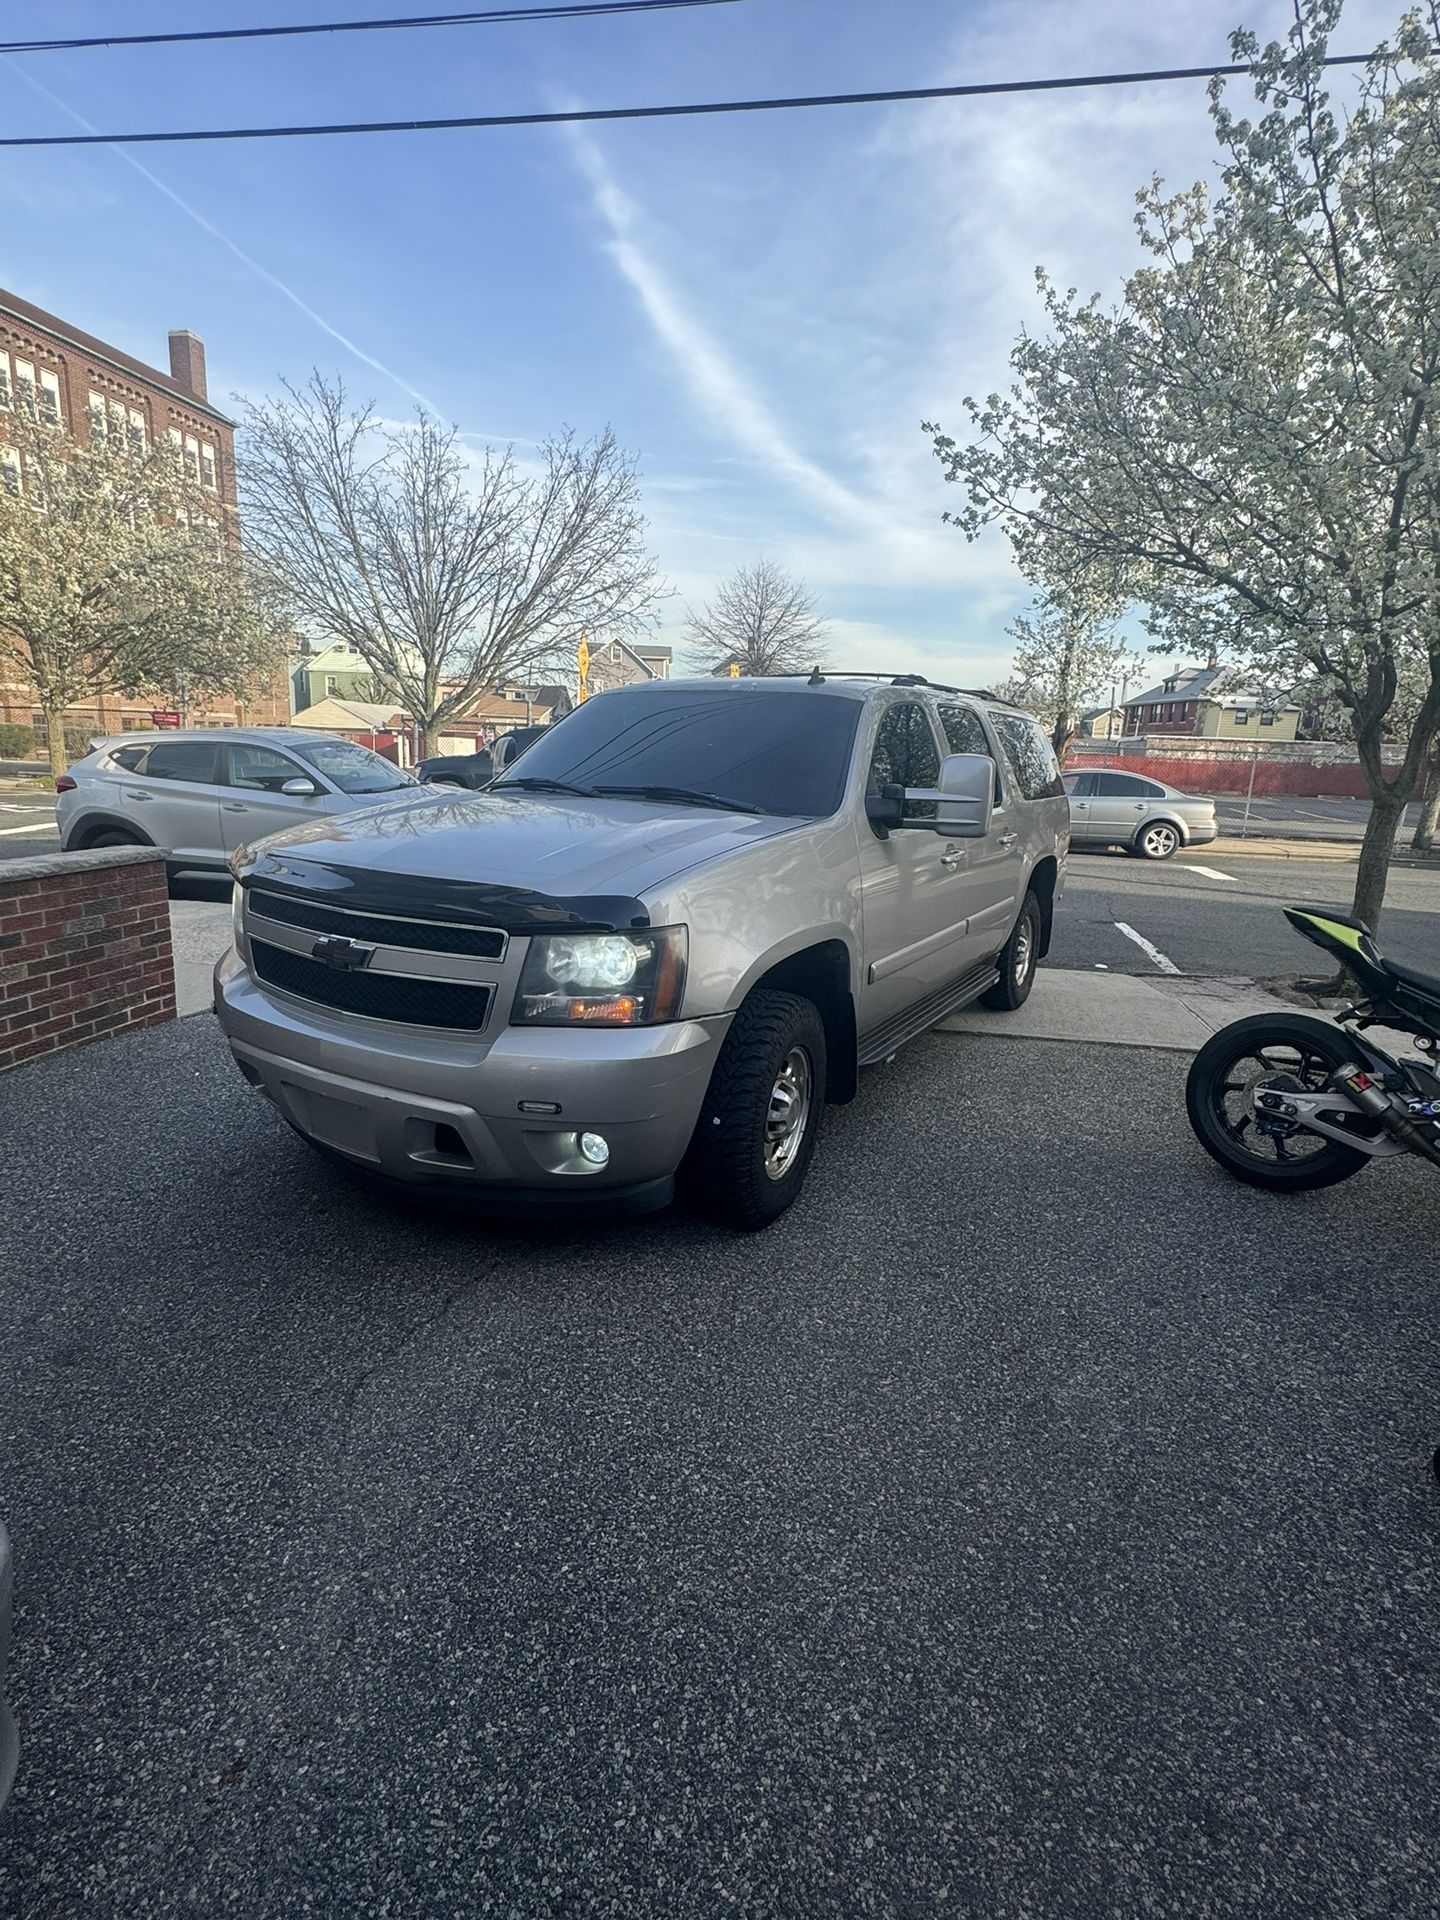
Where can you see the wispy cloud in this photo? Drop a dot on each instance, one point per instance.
(246, 260)
(720, 387)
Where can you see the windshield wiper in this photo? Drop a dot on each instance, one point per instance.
(532, 783)
(688, 796)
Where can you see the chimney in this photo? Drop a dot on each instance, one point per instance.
(187, 362)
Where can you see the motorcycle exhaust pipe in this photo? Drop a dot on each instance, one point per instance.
(1374, 1101)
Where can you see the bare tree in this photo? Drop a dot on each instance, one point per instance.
(448, 575)
(760, 618)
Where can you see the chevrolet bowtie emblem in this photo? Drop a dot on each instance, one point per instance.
(347, 956)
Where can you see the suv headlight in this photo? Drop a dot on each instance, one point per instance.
(602, 979)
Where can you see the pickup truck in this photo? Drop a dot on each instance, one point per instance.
(656, 948)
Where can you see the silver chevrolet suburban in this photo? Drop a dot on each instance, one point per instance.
(674, 928)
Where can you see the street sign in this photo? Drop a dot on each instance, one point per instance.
(734, 669)
(582, 657)
(164, 717)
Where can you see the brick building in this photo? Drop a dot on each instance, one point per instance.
(71, 379)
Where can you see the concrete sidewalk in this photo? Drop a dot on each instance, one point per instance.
(199, 934)
(1172, 1012)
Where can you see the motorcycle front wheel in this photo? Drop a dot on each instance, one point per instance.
(1268, 1050)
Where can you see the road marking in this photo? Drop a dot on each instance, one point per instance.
(40, 826)
(1162, 960)
(1210, 873)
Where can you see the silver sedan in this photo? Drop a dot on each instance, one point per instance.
(1145, 817)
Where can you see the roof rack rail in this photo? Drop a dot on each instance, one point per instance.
(819, 675)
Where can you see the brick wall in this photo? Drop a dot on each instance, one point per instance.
(84, 949)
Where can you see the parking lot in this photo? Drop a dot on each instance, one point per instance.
(1030, 1523)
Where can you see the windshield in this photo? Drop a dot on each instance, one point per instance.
(769, 752)
(351, 768)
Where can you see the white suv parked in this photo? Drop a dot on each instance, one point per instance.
(203, 795)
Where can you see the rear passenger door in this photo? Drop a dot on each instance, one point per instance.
(1080, 788)
(255, 803)
(175, 799)
(1121, 802)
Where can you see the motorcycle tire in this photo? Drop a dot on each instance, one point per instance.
(1214, 1067)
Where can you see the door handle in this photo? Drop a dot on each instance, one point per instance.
(1008, 839)
(131, 794)
(952, 859)
(235, 806)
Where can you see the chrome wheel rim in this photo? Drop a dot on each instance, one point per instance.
(1159, 841)
(788, 1114)
(1024, 952)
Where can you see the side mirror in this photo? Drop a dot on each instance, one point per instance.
(963, 798)
(300, 788)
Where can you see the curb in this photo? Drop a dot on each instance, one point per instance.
(1222, 849)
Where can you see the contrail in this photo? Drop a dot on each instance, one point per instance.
(245, 259)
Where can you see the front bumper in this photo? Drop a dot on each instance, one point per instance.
(442, 1112)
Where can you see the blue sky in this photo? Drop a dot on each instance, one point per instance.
(764, 307)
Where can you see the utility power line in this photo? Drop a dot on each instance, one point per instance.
(579, 115)
(474, 17)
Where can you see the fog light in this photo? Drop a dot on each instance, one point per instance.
(595, 1148)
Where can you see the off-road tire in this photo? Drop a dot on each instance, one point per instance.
(724, 1172)
(1332, 1163)
(1017, 960)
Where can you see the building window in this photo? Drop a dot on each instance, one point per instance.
(50, 398)
(1242, 718)
(1268, 719)
(96, 411)
(5, 382)
(192, 458)
(25, 387)
(10, 471)
(137, 430)
(207, 466)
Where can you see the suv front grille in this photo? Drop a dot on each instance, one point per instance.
(456, 1004)
(426, 936)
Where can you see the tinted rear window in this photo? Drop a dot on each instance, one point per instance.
(128, 757)
(1127, 786)
(1031, 756)
(785, 753)
(182, 760)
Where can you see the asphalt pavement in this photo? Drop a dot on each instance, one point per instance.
(1210, 913)
(1287, 815)
(27, 824)
(1032, 1523)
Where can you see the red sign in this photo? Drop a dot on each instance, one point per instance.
(164, 717)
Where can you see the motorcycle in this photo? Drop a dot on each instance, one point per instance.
(1292, 1102)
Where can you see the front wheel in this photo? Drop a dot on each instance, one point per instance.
(758, 1126)
(1268, 1051)
(1157, 841)
(1018, 960)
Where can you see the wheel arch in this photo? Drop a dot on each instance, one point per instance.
(1160, 818)
(820, 971)
(95, 821)
(1044, 884)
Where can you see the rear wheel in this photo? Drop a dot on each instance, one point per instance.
(1268, 1051)
(761, 1116)
(1156, 841)
(113, 837)
(1018, 960)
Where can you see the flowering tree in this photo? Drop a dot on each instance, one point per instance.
(1066, 655)
(1249, 445)
(116, 575)
(762, 619)
(448, 576)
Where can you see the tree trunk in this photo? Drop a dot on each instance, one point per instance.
(1386, 812)
(1429, 819)
(55, 736)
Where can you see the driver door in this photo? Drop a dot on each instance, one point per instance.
(914, 888)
